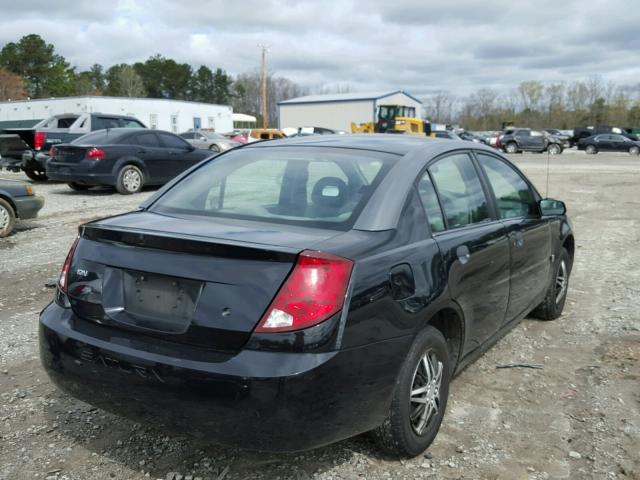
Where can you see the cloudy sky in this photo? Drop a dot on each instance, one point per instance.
(419, 46)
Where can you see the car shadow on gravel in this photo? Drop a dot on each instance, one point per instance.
(158, 450)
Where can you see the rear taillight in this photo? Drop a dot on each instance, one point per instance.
(313, 292)
(38, 140)
(95, 154)
(63, 280)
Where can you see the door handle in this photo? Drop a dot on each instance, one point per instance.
(518, 239)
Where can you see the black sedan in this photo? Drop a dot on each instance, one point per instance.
(17, 201)
(609, 142)
(124, 158)
(288, 295)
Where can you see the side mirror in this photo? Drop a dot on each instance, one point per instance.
(549, 206)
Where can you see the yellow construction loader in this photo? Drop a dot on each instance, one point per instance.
(394, 119)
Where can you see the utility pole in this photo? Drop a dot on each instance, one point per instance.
(265, 49)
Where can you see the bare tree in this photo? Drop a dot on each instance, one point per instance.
(11, 86)
(130, 83)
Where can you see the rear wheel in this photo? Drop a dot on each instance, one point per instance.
(214, 148)
(129, 180)
(420, 397)
(36, 175)
(511, 147)
(554, 149)
(634, 151)
(78, 186)
(591, 149)
(553, 303)
(7, 218)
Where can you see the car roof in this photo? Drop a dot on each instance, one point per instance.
(396, 144)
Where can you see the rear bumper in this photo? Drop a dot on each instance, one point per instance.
(28, 207)
(255, 399)
(34, 161)
(65, 174)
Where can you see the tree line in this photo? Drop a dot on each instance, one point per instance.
(535, 104)
(31, 68)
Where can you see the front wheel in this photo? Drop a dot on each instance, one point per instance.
(7, 218)
(634, 151)
(214, 148)
(556, 296)
(511, 147)
(420, 397)
(591, 150)
(36, 175)
(129, 180)
(554, 149)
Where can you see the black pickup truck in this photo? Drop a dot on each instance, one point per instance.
(28, 149)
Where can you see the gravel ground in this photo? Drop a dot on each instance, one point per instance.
(578, 417)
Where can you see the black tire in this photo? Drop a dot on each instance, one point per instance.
(7, 218)
(214, 148)
(511, 147)
(635, 151)
(78, 186)
(126, 183)
(554, 149)
(36, 175)
(398, 436)
(590, 150)
(553, 304)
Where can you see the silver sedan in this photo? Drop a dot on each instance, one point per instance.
(209, 140)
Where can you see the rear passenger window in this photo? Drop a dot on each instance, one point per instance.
(460, 191)
(147, 140)
(430, 202)
(513, 196)
(100, 123)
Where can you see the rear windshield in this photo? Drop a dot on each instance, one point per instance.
(100, 137)
(309, 186)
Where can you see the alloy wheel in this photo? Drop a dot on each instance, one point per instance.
(511, 148)
(131, 180)
(554, 150)
(5, 218)
(425, 392)
(562, 281)
(590, 149)
(634, 151)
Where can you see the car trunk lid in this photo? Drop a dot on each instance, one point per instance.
(204, 290)
(69, 154)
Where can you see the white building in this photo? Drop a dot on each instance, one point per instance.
(339, 110)
(163, 114)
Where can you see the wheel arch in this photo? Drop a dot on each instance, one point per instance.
(450, 322)
(9, 200)
(124, 161)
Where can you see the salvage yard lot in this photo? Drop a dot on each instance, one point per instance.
(578, 417)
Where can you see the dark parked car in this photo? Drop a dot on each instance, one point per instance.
(447, 134)
(606, 142)
(17, 200)
(524, 139)
(124, 158)
(292, 294)
(30, 147)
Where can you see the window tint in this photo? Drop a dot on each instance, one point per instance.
(101, 137)
(187, 135)
(315, 187)
(173, 141)
(513, 196)
(460, 191)
(100, 123)
(430, 202)
(130, 123)
(522, 133)
(147, 140)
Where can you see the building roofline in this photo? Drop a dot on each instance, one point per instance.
(364, 98)
(88, 97)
